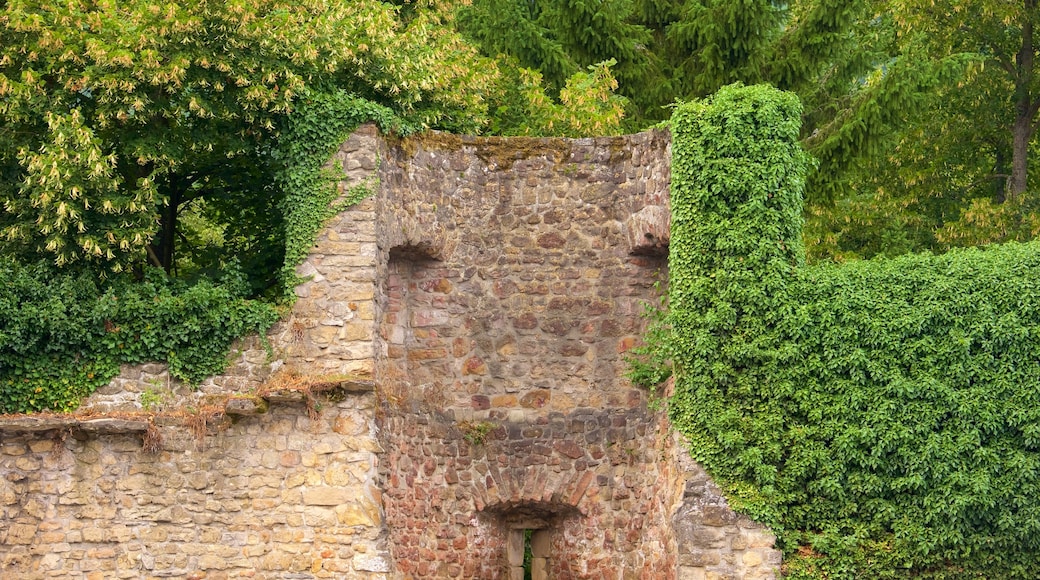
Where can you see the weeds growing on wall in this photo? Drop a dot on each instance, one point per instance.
(64, 335)
(884, 416)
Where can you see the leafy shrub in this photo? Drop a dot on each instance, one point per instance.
(64, 335)
(884, 416)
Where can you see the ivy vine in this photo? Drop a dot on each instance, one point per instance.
(312, 134)
(882, 417)
(64, 335)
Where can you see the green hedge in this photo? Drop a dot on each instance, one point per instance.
(62, 336)
(884, 416)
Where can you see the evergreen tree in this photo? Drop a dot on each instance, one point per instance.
(669, 50)
(958, 172)
(560, 38)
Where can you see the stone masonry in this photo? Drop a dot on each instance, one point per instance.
(468, 325)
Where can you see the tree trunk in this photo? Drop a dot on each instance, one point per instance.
(1000, 173)
(1025, 108)
(1021, 132)
(163, 250)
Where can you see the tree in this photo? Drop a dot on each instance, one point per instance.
(116, 115)
(956, 172)
(828, 52)
(562, 38)
(1004, 97)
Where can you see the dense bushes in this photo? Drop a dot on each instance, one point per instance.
(62, 335)
(882, 416)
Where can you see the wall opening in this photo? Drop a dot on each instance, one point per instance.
(529, 529)
(528, 553)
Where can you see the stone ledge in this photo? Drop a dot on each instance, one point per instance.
(97, 425)
(139, 423)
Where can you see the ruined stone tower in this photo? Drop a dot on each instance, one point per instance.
(475, 310)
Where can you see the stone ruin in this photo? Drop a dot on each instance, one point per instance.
(467, 324)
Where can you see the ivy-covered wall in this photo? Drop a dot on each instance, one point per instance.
(882, 417)
(63, 336)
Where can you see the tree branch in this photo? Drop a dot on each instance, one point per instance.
(152, 257)
(1005, 63)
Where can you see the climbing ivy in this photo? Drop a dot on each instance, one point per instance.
(882, 417)
(64, 335)
(310, 136)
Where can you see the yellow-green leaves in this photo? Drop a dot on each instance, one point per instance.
(123, 105)
(588, 105)
(71, 201)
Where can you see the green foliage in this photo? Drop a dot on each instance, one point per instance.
(952, 166)
(127, 129)
(587, 104)
(114, 115)
(154, 398)
(311, 135)
(62, 336)
(650, 363)
(987, 118)
(881, 416)
(476, 432)
(71, 202)
(562, 37)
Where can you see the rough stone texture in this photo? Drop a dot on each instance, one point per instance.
(712, 540)
(149, 387)
(331, 330)
(276, 495)
(473, 316)
(516, 273)
(590, 478)
(511, 283)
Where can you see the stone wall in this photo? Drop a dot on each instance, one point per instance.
(271, 495)
(471, 319)
(513, 281)
(517, 273)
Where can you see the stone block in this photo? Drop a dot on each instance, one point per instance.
(539, 569)
(540, 543)
(761, 538)
(752, 559)
(691, 573)
(515, 548)
(356, 514)
(245, 406)
(20, 534)
(701, 558)
(372, 563)
(327, 496)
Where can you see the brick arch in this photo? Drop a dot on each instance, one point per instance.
(539, 491)
(533, 510)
